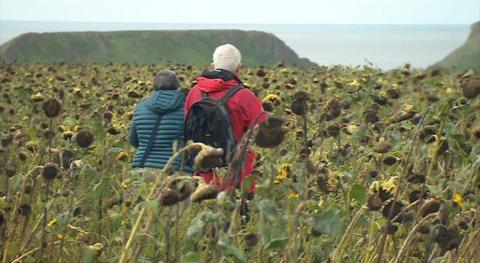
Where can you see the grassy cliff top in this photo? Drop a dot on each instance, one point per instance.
(143, 47)
(467, 56)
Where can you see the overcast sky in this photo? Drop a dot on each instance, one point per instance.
(246, 11)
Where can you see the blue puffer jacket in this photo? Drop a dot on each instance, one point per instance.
(170, 103)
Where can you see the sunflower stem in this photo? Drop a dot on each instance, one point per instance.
(402, 178)
(136, 226)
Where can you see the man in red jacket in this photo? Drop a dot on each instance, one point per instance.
(244, 107)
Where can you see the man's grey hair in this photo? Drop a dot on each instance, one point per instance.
(227, 57)
(166, 80)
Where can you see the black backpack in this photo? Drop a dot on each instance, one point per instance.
(208, 121)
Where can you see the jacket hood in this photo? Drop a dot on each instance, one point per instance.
(218, 80)
(162, 101)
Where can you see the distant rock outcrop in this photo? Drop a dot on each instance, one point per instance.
(466, 56)
(177, 46)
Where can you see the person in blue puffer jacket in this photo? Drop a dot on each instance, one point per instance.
(165, 106)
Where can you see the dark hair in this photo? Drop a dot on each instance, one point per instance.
(166, 80)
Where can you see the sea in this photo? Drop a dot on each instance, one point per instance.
(384, 46)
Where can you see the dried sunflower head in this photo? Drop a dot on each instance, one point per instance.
(270, 133)
(169, 197)
(471, 87)
(430, 206)
(51, 108)
(251, 239)
(298, 107)
(208, 158)
(84, 138)
(447, 239)
(50, 171)
(204, 192)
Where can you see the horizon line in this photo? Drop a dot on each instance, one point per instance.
(208, 23)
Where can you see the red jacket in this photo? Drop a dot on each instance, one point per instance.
(245, 109)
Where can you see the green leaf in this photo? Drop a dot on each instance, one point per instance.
(88, 171)
(191, 257)
(151, 205)
(100, 187)
(88, 255)
(98, 131)
(439, 259)
(229, 250)
(434, 189)
(115, 150)
(63, 218)
(3, 202)
(276, 243)
(359, 193)
(328, 222)
(195, 230)
(70, 122)
(115, 221)
(266, 232)
(247, 182)
(268, 208)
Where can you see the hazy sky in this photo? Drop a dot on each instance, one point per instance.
(246, 11)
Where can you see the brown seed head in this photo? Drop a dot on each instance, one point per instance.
(416, 178)
(390, 160)
(447, 239)
(9, 169)
(2, 216)
(383, 146)
(427, 133)
(424, 228)
(112, 130)
(169, 197)
(51, 108)
(471, 87)
(270, 133)
(333, 109)
(184, 187)
(251, 239)
(476, 132)
(84, 138)
(50, 171)
(392, 229)
(299, 107)
(430, 206)
(108, 115)
(24, 209)
(371, 117)
(6, 139)
(393, 93)
(388, 207)
(384, 194)
(333, 130)
(261, 73)
(374, 202)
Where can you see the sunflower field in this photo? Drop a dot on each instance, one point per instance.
(355, 164)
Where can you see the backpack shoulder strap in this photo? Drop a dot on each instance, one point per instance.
(231, 91)
(151, 140)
